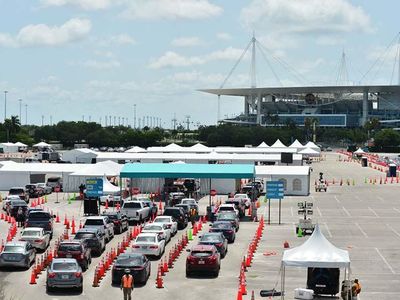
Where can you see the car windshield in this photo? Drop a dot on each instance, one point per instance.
(147, 239)
(132, 205)
(84, 235)
(18, 203)
(162, 220)
(16, 191)
(188, 201)
(39, 215)
(226, 208)
(201, 253)
(172, 212)
(31, 233)
(129, 261)
(64, 266)
(153, 227)
(111, 217)
(229, 217)
(222, 225)
(14, 249)
(69, 247)
(210, 238)
(95, 222)
(53, 179)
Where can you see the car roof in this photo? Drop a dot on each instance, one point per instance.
(64, 260)
(17, 187)
(32, 229)
(162, 216)
(222, 222)
(212, 233)
(71, 242)
(191, 199)
(227, 205)
(88, 229)
(171, 208)
(148, 234)
(16, 243)
(130, 254)
(203, 248)
(95, 218)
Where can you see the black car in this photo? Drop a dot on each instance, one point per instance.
(217, 239)
(41, 219)
(20, 192)
(226, 228)
(186, 208)
(231, 217)
(34, 191)
(178, 214)
(153, 207)
(15, 205)
(94, 239)
(77, 249)
(119, 220)
(137, 263)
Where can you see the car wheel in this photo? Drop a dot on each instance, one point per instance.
(216, 273)
(48, 289)
(80, 289)
(188, 273)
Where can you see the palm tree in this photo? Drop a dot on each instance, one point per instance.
(12, 126)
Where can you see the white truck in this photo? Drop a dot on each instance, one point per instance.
(136, 211)
(107, 228)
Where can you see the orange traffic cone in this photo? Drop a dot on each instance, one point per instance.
(33, 277)
(252, 295)
(106, 206)
(286, 245)
(58, 218)
(159, 280)
(95, 279)
(73, 229)
(239, 293)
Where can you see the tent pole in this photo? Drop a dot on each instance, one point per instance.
(209, 202)
(282, 282)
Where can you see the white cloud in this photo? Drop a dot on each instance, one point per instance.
(187, 42)
(173, 59)
(45, 35)
(305, 16)
(171, 9)
(102, 65)
(83, 4)
(224, 36)
(123, 39)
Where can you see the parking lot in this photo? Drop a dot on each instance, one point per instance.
(362, 218)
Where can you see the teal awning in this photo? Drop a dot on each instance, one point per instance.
(144, 170)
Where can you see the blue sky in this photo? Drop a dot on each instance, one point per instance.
(70, 59)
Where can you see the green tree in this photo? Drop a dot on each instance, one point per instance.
(387, 138)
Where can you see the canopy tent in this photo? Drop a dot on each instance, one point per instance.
(19, 144)
(309, 152)
(278, 144)
(173, 147)
(359, 151)
(312, 146)
(41, 145)
(316, 252)
(200, 148)
(135, 149)
(109, 188)
(104, 168)
(263, 145)
(296, 144)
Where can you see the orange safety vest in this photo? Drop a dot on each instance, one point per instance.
(127, 281)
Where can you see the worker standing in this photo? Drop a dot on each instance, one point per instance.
(127, 284)
(356, 289)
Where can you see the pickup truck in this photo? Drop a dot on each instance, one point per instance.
(103, 224)
(136, 211)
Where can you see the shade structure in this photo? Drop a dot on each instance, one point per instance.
(316, 252)
(296, 144)
(263, 145)
(312, 146)
(359, 151)
(42, 144)
(200, 148)
(104, 168)
(109, 188)
(135, 149)
(278, 144)
(151, 170)
(309, 151)
(19, 144)
(173, 147)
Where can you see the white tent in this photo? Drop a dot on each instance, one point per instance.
(278, 144)
(296, 144)
(200, 148)
(172, 148)
(109, 188)
(359, 151)
(309, 152)
(19, 144)
(316, 252)
(135, 149)
(312, 146)
(263, 145)
(104, 168)
(41, 145)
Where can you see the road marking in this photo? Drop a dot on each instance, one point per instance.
(392, 229)
(319, 211)
(327, 230)
(346, 211)
(337, 199)
(362, 231)
(291, 211)
(358, 198)
(380, 198)
(371, 210)
(385, 261)
(396, 209)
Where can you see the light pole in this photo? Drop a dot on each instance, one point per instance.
(5, 105)
(20, 109)
(42, 120)
(26, 114)
(134, 116)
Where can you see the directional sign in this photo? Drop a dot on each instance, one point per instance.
(94, 187)
(275, 190)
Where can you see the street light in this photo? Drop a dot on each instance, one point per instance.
(26, 114)
(20, 114)
(5, 105)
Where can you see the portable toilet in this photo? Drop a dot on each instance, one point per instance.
(364, 161)
(392, 170)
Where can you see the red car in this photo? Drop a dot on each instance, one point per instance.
(203, 258)
(75, 249)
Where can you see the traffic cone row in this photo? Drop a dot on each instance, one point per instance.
(159, 280)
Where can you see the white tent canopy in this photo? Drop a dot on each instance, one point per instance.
(312, 146)
(173, 147)
(200, 147)
(104, 168)
(263, 145)
(309, 151)
(42, 144)
(359, 151)
(296, 144)
(109, 188)
(19, 144)
(278, 144)
(135, 149)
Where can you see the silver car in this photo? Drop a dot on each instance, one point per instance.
(64, 273)
(17, 254)
(36, 236)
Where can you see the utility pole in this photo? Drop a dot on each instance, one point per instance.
(90, 118)
(42, 120)
(115, 121)
(139, 123)
(83, 118)
(20, 110)
(110, 121)
(134, 116)
(26, 114)
(5, 105)
(51, 120)
(174, 120)
(100, 121)
(187, 122)
(106, 118)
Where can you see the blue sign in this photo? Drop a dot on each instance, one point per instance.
(94, 187)
(275, 190)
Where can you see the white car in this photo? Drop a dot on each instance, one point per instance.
(36, 236)
(105, 225)
(46, 189)
(8, 200)
(244, 198)
(169, 221)
(191, 202)
(227, 208)
(161, 229)
(149, 244)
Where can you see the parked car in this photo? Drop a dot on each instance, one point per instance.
(203, 258)
(192, 203)
(226, 228)
(178, 214)
(217, 239)
(46, 189)
(175, 198)
(238, 204)
(19, 191)
(244, 199)
(162, 229)
(54, 182)
(231, 217)
(40, 218)
(77, 249)
(119, 220)
(138, 264)
(101, 222)
(8, 199)
(135, 211)
(34, 191)
(169, 222)
(94, 238)
(186, 208)
(227, 208)
(38, 238)
(149, 244)
(64, 273)
(112, 200)
(17, 254)
(15, 205)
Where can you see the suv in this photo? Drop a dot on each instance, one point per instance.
(178, 214)
(77, 249)
(46, 189)
(119, 220)
(34, 190)
(103, 223)
(41, 219)
(94, 239)
(19, 191)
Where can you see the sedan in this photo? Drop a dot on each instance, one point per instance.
(231, 217)
(159, 228)
(138, 264)
(149, 244)
(8, 199)
(204, 258)
(119, 220)
(17, 254)
(216, 239)
(38, 238)
(226, 228)
(64, 273)
(169, 222)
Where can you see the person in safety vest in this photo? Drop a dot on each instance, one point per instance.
(356, 289)
(127, 284)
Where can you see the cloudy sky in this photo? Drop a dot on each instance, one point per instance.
(74, 59)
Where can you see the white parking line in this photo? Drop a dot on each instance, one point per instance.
(374, 212)
(392, 229)
(380, 198)
(396, 209)
(362, 231)
(319, 211)
(346, 211)
(291, 211)
(337, 199)
(327, 230)
(385, 261)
